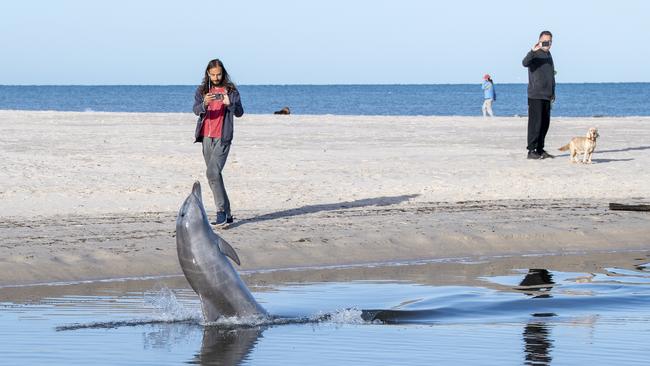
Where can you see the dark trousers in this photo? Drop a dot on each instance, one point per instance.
(215, 154)
(539, 119)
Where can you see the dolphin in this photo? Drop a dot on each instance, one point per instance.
(202, 255)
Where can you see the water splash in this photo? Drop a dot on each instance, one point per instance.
(344, 316)
(168, 308)
(240, 321)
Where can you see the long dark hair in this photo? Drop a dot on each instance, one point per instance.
(225, 78)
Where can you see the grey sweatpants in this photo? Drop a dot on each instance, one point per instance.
(215, 154)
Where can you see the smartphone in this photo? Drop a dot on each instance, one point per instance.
(546, 44)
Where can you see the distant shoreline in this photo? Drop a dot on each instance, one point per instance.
(573, 99)
(597, 117)
(379, 84)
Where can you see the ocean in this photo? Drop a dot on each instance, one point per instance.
(442, 313)
(573, 100)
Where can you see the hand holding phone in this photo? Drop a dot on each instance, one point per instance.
(209, 97)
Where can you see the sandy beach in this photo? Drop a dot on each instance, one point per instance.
(94, 195)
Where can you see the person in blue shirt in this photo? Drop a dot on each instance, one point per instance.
(489, 95)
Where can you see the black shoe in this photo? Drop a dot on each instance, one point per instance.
(221, 219)
(533, 155)
(545, 155)
(230, 219)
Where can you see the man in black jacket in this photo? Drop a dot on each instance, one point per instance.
(541, 93)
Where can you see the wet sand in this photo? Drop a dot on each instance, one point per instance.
(95, 196)
(448, 272)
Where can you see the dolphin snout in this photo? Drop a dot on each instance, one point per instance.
(195, 195)
(196, 189)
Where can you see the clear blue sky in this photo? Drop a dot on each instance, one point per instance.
(318, 42)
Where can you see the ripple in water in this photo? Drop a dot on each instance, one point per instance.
(530, 316)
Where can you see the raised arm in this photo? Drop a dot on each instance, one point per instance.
(530, 56)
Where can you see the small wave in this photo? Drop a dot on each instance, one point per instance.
(344, 316)
(125, 323)
(168, 310)
(347, 316)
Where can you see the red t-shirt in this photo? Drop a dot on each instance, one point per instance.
(213, 122)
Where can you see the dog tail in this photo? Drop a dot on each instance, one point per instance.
(564, 148)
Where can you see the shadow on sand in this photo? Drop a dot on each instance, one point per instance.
(596, 161)
(626, 149)
(600, 161)
(638, 148)
(378, 201)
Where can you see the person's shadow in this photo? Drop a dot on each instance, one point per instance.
(625, 149)
(366, 202)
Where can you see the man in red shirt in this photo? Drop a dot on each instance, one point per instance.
(216, 101)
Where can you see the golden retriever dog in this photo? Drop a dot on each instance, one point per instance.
(585, 145)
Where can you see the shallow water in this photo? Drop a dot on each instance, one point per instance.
(489, 312)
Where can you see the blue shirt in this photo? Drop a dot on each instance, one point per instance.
(488, 90)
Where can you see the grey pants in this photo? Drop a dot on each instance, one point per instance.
(215, 154)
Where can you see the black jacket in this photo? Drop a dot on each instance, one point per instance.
(235, 108)
(541, 75)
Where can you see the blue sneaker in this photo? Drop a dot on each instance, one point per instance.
(221, 219)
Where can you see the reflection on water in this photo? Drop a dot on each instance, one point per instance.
(226, 346)
(164, 336)
(425, 313)
(538, 344)
(537, 283)
(642, 267)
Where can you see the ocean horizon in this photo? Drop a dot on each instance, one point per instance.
(612, 99)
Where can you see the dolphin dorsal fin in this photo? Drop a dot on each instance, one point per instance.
(228, 250)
